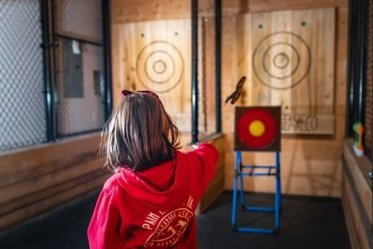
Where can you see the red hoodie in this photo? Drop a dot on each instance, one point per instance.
(153, 208)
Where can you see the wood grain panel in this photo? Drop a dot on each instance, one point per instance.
(257, 5)
(44, 205)
(358, 227)
(289, 61)
(124, 11)
(29, 199)
(357, 197)
(39, 183)
(234, 7)
(156, 56)
(216, 186)
(36, 179)
(127, 11)
(350, 225)
(214, 190)
(311, 165)
(357, 168)
(28, 163)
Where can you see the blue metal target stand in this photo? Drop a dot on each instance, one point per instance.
(241, 170)
(249, 171)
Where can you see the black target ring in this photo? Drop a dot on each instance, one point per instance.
(148, 74)
(159, 66)
(292, 49)
(292, 71)
(156, 67)
(276, 63)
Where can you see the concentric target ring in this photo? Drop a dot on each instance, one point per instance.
(278, 60)
(285, 73)
(159, 66)
(281, 60)
(166, 75)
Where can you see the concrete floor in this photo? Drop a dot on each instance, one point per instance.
(306, 223)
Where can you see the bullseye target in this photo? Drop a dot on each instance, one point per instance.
(281, 60)
(159, 66)
(257, 128)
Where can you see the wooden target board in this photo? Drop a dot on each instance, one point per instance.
(289, 61)
(156, 56)
(257, 128)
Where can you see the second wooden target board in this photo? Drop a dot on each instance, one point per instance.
(288, 59)
(155, 56)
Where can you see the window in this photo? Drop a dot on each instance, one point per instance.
(53, 80)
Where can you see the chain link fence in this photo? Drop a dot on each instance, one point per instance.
(80, 92)
(79, 18)
(22, 103)
(80, 64)
(78, 85)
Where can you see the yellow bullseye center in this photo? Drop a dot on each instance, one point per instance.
(256, 128)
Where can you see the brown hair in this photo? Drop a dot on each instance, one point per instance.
(140, 134)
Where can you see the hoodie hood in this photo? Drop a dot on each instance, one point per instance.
(154, 207)
(154, 185)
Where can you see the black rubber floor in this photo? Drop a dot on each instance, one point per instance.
(306, 222)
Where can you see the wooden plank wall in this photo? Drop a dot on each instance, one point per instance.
(357, 198)
(128, 12)
(288, 59)
(155, 56)
(216, 187)
(160, 35)
(160, 19)
(311, 165)
(38, 179)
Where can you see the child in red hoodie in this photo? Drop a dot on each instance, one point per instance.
(151, 199)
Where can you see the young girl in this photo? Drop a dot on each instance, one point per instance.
(151, 199)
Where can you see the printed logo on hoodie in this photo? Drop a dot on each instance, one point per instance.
(168, 227)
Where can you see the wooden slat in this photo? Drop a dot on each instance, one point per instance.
(44, 205)
(124, 11)
(358, 168)
(52, 190)
(28, 163)
(216, 186)
(214, 190)
(356, 222)
(317, 124)
(349, 222)
(32, 172)
(234, 7)
(39, 183)
(272, 5)
(35, 179)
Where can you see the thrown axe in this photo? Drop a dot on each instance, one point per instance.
(236, 94)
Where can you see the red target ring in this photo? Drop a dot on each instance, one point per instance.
(253, 140)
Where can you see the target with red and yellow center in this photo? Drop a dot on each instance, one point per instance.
(257, 128)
